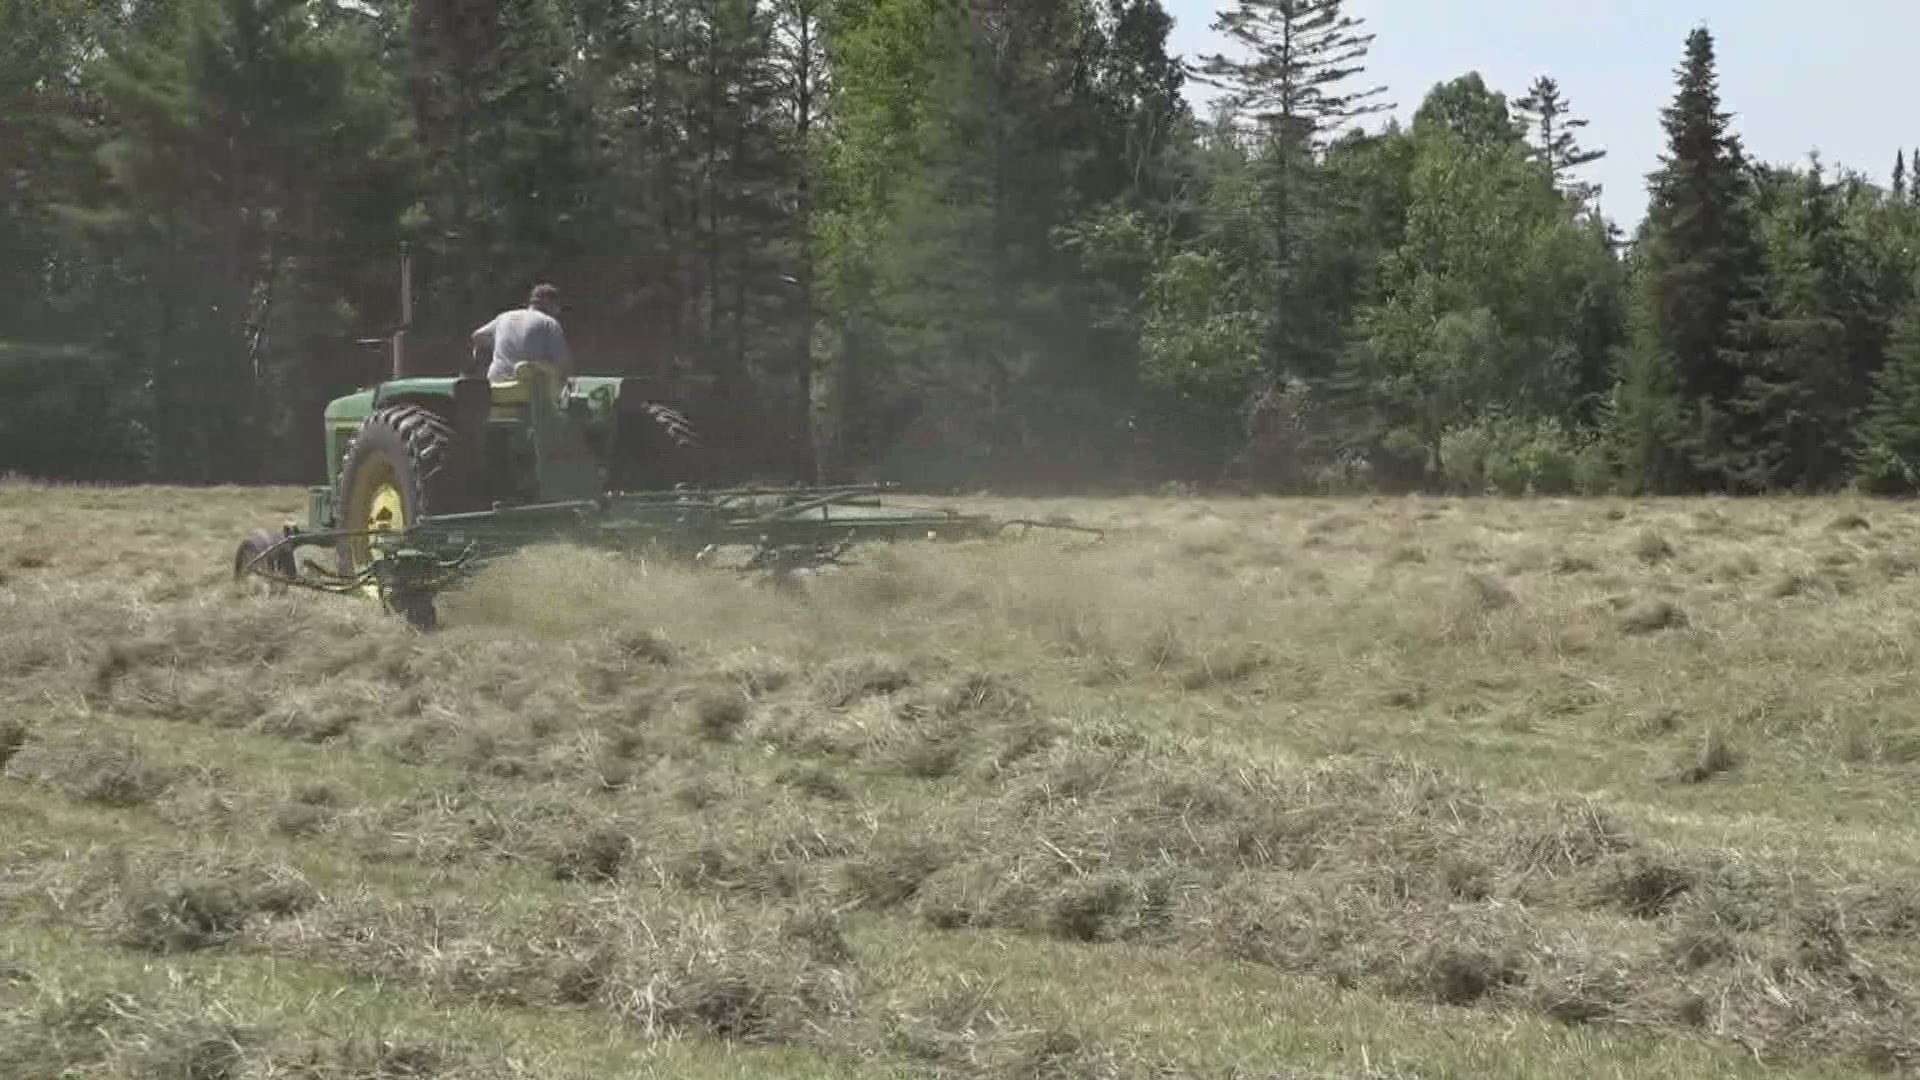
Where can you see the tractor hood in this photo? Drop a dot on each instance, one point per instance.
(350, 409)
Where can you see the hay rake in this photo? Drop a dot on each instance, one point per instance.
(779, 531)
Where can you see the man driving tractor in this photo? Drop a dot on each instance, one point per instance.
(529, 335)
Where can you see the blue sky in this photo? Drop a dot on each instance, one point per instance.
(1843, 80)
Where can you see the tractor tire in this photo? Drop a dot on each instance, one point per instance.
(403, 450)
(657, 449)
(280, 563)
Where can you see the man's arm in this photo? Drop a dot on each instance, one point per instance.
(562, 358)
(482, 341)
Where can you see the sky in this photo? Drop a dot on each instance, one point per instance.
(1795, 78)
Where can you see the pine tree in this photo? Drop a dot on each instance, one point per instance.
(804, 79)
(645, 90)
(733, 131)
(504, 142)
(971, 284)
(1900, 175)
(1302, 51)
(1795, 409)
(234, 129)
(1550, 121)
(1697, 256)
(1888, 459)
(41, 47)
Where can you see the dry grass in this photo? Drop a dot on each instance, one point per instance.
(1356, 788)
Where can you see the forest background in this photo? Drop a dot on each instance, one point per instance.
(979, 243)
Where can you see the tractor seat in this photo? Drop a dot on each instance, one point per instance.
(519, 389)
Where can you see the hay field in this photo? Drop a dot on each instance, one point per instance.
(1391, 788)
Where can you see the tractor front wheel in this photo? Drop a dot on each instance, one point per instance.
(416, 608)
(252, 559)
(398, 469)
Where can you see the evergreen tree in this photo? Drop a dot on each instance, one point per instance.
(1290, 90)
(1795, 408)
(801, 63)
(67, 409)
(1131, 208)
(981, 236)
(1888, 458)
(504, 146)
(1551, 123)
(233, 129)
(43, 48)
(973, 292)
(1697, 261)
(644, 91)
(743, 182)
(880, 52)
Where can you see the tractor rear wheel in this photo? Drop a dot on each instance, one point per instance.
(398, 469)
(657, 449)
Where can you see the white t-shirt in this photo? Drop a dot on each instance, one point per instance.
(526, 336)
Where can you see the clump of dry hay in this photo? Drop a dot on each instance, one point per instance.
(67, 1030)
(301, 819)
(190, 915)
(1651, 547)
(719, 713)
(733, 975)
(1652, 616)
(1572, 562)
(112, 774)
(847, 682)
(169, 901)
(1716, 756)
(14, 734)
(597, 855)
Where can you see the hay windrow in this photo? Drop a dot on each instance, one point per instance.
(1541, 765)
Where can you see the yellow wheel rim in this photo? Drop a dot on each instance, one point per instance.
(384, 511)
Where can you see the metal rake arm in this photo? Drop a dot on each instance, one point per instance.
(1026, 525)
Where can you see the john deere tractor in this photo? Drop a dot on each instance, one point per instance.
(431, 475)
(417, 448)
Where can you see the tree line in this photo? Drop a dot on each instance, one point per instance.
(951, 242)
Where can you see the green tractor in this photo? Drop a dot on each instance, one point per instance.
(430, 476)
(415, 448)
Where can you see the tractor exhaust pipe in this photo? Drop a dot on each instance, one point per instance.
(406, 312)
